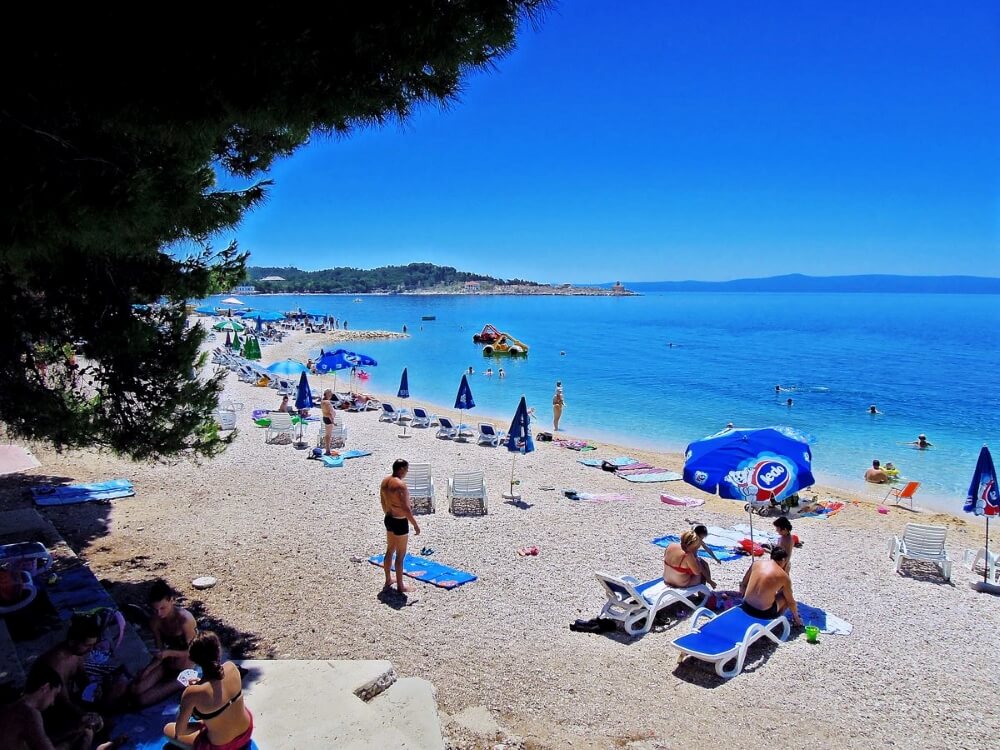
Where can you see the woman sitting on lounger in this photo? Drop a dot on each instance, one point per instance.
(215, 701)
(681, 566)
(173, 629)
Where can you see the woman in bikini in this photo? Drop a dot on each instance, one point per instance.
(173, 630)
(215, 701)
(681, 566)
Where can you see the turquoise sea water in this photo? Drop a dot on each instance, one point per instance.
(931, 363)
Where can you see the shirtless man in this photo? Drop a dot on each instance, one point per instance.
(398, 516)
(767, 589)
(329, 419)
(67, 720)
(921, 443)
(876, 475)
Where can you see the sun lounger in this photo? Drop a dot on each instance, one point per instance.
(489, 435)
(391, 414)
(422, 419)
(635, 604)
(726, 637)
(921, 542)
(990, 561)
(467, 488)
(420, 483)
(446, 430)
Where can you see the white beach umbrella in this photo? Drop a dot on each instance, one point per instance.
(233, 301)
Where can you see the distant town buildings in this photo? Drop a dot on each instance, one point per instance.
(243, 289)
(618, 288)
(472, 286)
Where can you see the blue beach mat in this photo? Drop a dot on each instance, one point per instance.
(77, 590)
(660, 476)
(827, 623)
(145, 728)
(429, 571)
(68, 494)
(620, 461)
(335, 462)
(725, 554)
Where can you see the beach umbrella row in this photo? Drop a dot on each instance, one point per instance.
(251, 350)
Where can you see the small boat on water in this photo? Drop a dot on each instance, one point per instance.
(428, 317)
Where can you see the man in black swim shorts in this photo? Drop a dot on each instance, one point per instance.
(767, 588)
(326, 406)
(398, 509)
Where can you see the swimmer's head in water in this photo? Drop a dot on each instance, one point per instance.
(875, 464)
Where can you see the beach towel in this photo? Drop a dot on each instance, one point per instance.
(650, 475)
(333, 462)
(56, 494)
(725, 553)
(145, 728)
(575, 445)
(824, 509)
(429, 571)
(672, 501)
(597, 497)
(761, 535)
(77, 590)
(827, 623)
(619, 461)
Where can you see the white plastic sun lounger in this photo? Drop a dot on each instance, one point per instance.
(489, 435)
(467, 487)
(420, 483)
(281, 424)
(635, 604)
(726, 637)
(921, 542)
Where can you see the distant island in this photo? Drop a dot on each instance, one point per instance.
(415, 278)
(871, 283)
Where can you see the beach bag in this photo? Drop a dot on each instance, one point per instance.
(544, 437)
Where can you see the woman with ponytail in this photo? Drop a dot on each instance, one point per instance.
(215, 701)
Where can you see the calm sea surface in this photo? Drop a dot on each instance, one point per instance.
(930, 363)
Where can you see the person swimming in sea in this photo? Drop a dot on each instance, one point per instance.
(921, 443)
(873, 410)
(789, 403)
(777, 389)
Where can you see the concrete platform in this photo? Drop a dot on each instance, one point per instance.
(314, 705)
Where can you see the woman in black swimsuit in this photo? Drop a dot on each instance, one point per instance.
(173, 629)
(216, 701)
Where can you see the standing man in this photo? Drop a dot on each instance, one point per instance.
(326, 406)
(398, 516)
(557, 406)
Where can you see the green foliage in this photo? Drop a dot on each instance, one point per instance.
(345, 280)
(115, 142)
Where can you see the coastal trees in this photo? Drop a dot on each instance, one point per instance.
(129, 146)
(358, 280)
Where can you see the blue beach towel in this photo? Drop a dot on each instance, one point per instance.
(77, 590)
(68, 494)
(145, 728)
(619, 461)
(725, 554)
(662, 476)
(827, 623)
(429, 571)
(335, 462)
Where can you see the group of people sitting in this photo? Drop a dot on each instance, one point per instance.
(62, 707)
(767, 586)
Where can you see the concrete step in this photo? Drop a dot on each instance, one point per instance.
(409, 707)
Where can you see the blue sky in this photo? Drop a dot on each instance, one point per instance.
(667, 140)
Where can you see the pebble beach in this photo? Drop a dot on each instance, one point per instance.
(283, 534)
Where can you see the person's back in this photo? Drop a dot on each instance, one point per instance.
(876, 475)
(767, 588)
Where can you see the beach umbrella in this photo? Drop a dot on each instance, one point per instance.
(252, 348)
(303, 396)
(404, 393)
(286, 367)
(519, 440)
(752, 465)
(359, 360)
(233, 301)
(270, 317)
(229, 341)
(463, 400)
(228, 325)
(205, 310)
(983, 498)
(332, 362)
(237, 344)
(260, 325)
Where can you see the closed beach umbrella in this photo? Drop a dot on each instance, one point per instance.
(229, 341)
(260, 325)
(755, 466)
(303, 396)
(287, 367)
(463, 401)
(519, 439)
(237, 344)
(404, 393)
(252, 348)
(983, 498)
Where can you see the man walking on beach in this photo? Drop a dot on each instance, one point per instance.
(329, 418)
(557, 406)
(398, 511)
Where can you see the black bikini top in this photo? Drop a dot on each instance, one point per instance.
(212, 714)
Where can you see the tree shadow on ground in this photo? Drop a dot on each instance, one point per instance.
(133, 598)
(14, 488)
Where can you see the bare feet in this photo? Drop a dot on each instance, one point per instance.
(402, 587)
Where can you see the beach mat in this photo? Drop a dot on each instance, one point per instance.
(824, 509)
(429, 571)
(145, 728)
(597, 497)
(675, 501)
(335, 462)
(725, 553)
(619, 461)
(827, 623)
(77, 590)
(648, 476)
(69, 494)
(575, 445)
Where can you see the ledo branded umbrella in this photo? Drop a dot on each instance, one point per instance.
(983, 498)
(519, 439)
(287, 367)
(758, 466)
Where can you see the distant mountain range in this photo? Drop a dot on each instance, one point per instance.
(796, 282)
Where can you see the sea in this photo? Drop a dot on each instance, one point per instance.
(661, 370)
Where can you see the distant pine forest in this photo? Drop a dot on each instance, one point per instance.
(390, 279)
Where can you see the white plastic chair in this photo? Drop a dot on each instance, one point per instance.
(921, 542)
(467, 488)
(281, 424)
(420, 483)
(635, 604)
(226, 419)
(989, 560)
(338, 436)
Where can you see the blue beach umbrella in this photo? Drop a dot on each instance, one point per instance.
(464, 400)
(332, 362)
(287, 367)
(303, 397)
(270, 317)
(404, 386)
(757, 466)
(983, 498)
(356, 359)
(205, 310)
(519, 440)
(260, 325)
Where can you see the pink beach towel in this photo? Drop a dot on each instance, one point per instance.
(681, 502)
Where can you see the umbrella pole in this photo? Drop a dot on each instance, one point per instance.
(986, 565)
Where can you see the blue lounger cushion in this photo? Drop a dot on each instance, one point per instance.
(726, 637)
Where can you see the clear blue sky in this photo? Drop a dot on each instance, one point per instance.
(673, 140)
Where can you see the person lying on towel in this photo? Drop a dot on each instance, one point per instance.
(767, 589)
